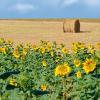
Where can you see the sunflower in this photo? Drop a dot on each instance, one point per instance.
(43, 87)
(24, 51)
(81, 46)
(49, 46)
(74, 48)
(35, 48)
(64, 50)
(16, 54)
(3, 50)
(89, 65)
(13, 82)
(92, 51)
(76, 62)
(52, 53)
(43, 50)
(78, 74)
(10, 41)
(2, 40)
(44, 63)
(62, 70)
(90, 47)
(27, 45)
(98, 46)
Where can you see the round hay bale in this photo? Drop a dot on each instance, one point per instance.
(71, 26)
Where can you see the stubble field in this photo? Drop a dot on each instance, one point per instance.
(32, 31)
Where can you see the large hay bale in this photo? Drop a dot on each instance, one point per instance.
(71, 26)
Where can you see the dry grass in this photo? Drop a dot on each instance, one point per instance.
(34, 31)
(94, 20)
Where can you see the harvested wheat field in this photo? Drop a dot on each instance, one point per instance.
(32, 31)
(49, 71)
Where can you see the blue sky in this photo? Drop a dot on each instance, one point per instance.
(49, 8)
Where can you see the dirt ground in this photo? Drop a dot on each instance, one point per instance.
(22, 31)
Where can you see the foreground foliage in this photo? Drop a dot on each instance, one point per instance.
(49, 71)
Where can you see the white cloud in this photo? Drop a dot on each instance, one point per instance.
(69, 2)
(49, 3)
(90, 3)
(95, 3)
(56, 3)
(59, 3)
(22, 8)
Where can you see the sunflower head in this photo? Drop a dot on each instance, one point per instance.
(62, 70)
(76, 62)
(43, 87)
(3, 50)
(13, 82)
(44, 63)
(43, 50)
(89, 65)
(16, 54)
(78, 74)
(64, 50)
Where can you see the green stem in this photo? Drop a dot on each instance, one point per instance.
(63, 87)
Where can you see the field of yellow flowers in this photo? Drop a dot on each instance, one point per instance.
(49, 71)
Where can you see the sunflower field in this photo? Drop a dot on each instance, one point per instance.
(49, 71)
